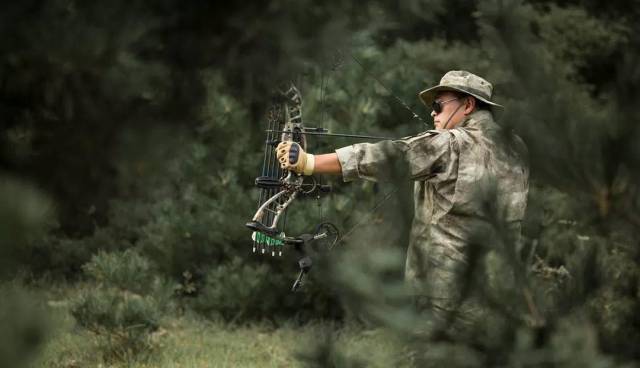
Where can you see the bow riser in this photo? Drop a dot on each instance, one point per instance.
(279, 188)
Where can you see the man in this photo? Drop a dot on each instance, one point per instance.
(461, 170)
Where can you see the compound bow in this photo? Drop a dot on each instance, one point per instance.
(280, 187)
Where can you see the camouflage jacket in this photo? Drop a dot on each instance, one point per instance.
(451, 170)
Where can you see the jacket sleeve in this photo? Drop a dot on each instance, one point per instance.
(420, 157)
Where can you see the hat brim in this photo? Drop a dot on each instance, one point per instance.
(428, 95)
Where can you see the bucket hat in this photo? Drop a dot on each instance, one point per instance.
(461, 81)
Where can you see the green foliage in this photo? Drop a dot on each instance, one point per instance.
(122, 322)
(236, 290)
(26, 326)
(581, 39)
(126, 270)
(58, 256)
(323, 352)
(125, 307)
(241, 291)
(187, 221)
(24, 214)
(191, 341)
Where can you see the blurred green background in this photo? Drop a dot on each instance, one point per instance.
(132, 132)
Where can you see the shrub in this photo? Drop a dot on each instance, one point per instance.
(234, 290)
(126, 270)
(122, 322)
(126, 306)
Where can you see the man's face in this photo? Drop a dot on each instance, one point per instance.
(451, 110)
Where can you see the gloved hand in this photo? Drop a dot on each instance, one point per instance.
(293, 158)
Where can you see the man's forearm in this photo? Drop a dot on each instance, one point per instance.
(327, 164)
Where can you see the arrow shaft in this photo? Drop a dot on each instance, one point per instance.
(337, 135)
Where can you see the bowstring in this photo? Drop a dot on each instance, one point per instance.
(414, 115)
(324, 80)
(322, 122)
(275, 170)
(394, 188)
(268, 168)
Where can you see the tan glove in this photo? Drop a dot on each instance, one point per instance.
(293, 158)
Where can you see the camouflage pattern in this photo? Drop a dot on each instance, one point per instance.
(452, 169)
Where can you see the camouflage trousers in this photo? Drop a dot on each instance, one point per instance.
(443, 291)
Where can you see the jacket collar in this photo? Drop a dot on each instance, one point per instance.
(478, 119)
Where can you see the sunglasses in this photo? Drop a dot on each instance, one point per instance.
(436, 106)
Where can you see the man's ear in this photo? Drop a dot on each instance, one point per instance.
(469, 105)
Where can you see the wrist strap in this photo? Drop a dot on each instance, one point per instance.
(309, 165)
